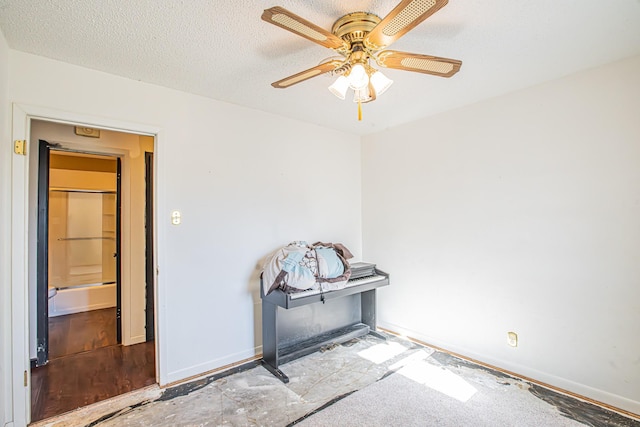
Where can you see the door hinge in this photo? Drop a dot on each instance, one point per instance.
(20, 147)
(25, 378)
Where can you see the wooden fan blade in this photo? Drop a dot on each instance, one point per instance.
(400, 20)
(443, 67)
(307, 74)
(291, 22)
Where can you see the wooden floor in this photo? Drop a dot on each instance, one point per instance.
(99, 370)
(75, 333)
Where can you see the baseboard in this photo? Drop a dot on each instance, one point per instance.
(207, 368)
(580, 391)
(138, 339)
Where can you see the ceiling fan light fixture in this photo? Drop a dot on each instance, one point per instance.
(358, 78)
(339, 87)
(358, 38)
(362, 95)
(380, 82)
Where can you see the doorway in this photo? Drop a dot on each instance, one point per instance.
(87, 348)
(78, 277)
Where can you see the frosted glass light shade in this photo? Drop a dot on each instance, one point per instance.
(380, 82)
(339, 87)
(358, 78)
(362, 95)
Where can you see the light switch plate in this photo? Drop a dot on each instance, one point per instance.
(176, 218)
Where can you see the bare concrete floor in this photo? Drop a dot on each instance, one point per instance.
(254, 397)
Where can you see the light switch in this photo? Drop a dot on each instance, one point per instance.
(175, 217)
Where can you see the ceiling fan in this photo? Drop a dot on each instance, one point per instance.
(358, 38)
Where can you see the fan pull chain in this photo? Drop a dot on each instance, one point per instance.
(359, 110)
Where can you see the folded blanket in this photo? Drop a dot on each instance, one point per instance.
(300, 266)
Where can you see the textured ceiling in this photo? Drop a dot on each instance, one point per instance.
(222, 49)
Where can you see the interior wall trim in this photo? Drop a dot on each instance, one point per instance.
(516, 375)
(22, 116)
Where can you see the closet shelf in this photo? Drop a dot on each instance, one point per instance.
(85, 238)
(80, 190)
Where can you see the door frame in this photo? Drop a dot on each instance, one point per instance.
(20, 263)
(118, 253)
(149, 245)
(42, 259)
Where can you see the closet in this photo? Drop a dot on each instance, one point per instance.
(82, 234)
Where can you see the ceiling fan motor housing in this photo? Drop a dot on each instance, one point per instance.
(362, 36)
(353, 27)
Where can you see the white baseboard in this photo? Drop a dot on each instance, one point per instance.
(563, 384)
(203, 368)
(136, 340)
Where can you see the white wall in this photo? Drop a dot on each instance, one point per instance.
(5, 241)
(520, 213)
(245, 181)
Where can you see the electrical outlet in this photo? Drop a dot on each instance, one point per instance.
(512, 339)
